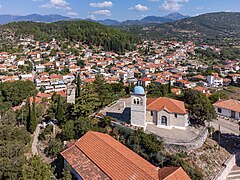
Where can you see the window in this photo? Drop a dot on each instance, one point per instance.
(134, 101)
(151, 113)
(138, 101)
(175, 115)
(219, 110)
(164, 121)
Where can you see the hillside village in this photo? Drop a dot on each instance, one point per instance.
(51, 67)
(54, 66)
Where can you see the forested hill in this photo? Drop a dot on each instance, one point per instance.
(90, 33)
(211, 25)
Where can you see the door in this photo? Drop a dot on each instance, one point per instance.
(233, 113)
(155, 117)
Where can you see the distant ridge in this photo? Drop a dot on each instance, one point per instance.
(211, 25)
(7, 18)
(172, 17)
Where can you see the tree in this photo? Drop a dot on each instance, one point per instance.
(217, 96)
(54, 148)
(28, 114)
(33, 118)
(13, 142)
(35, 168)
(9, 117)
(87, 103)
(103, 90)
(83, 125)
(60, 112)
(78, 85)
(67, 173)
(199, 106)
(15, 92)
(68, 130)
(158, 90)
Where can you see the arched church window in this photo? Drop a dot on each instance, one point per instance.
(134, 101)
(138, 102)
(164, 120)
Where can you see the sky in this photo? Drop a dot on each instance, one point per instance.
(116, 9)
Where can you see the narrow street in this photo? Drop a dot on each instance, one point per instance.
(35, 140)
(226, 126)
(232, 128)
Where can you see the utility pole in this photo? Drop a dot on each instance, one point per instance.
(169, 81)
(219, 136)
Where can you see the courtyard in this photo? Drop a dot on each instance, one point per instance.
(121, 112)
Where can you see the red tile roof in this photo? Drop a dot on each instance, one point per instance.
(113, 159)
(230, 104)
(173, 173)
(167, 104)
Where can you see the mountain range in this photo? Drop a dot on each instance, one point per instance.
(172, 17)
(7, 18)
(218, 25)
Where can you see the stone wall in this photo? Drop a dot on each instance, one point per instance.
(227, 166)
(193, 144)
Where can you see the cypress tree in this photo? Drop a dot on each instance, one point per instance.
(33, 118)
(78, 85)
(60, 112)
(29, 114)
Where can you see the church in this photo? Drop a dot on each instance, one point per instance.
(162, 112)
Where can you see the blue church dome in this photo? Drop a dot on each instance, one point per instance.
(138, 90)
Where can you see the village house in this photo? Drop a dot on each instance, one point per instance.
(214, 80)
(99, 156)
(228, 108)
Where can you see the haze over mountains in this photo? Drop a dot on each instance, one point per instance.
(211, 25)
(7, 18)
(146, 20)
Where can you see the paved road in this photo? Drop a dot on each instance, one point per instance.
(35, 140)
(226, 126)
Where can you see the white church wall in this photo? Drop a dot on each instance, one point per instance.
(180, 121)
(138, 110)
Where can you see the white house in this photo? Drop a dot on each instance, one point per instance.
(228, 108)
(162, 112)
(214, 80)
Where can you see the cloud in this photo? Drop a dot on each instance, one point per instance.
(102, 4)
(139, 7)
(173, 5)
(153, 0)
(92, 17)
(72, 14)
(104, 12)
(58, 4)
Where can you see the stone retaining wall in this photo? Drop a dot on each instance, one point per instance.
(227, 166)
(193, 144)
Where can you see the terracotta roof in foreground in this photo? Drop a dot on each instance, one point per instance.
(100, 153)
(173, 173)
(230, 104)
(167, 104)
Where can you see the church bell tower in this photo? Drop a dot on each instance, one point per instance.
(138, 107)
